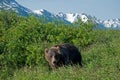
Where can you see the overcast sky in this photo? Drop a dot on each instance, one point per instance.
(102, 9)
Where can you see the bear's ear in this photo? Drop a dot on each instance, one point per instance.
(58, 48)
(46, 50)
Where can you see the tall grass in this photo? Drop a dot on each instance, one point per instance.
(100, 62)
(23, 40)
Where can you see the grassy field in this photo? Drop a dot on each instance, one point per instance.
(24, 39)
(101, 61)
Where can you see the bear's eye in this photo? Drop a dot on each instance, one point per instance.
(56, 56)
(50, 56)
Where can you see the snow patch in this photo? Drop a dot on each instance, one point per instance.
(71, 17)
(39, 12)
(84, 18)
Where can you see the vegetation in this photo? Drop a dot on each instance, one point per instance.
(24, 39)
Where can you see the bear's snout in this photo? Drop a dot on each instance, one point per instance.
(55, 62)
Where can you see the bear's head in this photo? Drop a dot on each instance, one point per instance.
(54, 57)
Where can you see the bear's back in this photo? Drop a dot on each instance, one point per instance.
(72, 52)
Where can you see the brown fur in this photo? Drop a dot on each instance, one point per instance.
(64, 54)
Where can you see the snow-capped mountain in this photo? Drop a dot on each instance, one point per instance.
(65, 17)
(111, 23)
(14, 6)
(72, 17)
(50, 16)
(45, 13)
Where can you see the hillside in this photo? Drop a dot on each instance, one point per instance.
(101, 62)
(24, 39)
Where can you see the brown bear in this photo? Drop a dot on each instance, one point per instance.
(64, 54)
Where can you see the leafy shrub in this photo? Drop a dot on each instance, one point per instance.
(23, 40)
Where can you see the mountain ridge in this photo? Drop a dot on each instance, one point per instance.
(14, 6)
(73, 17)
(66, 17)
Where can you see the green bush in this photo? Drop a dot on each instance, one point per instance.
(23, 40)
